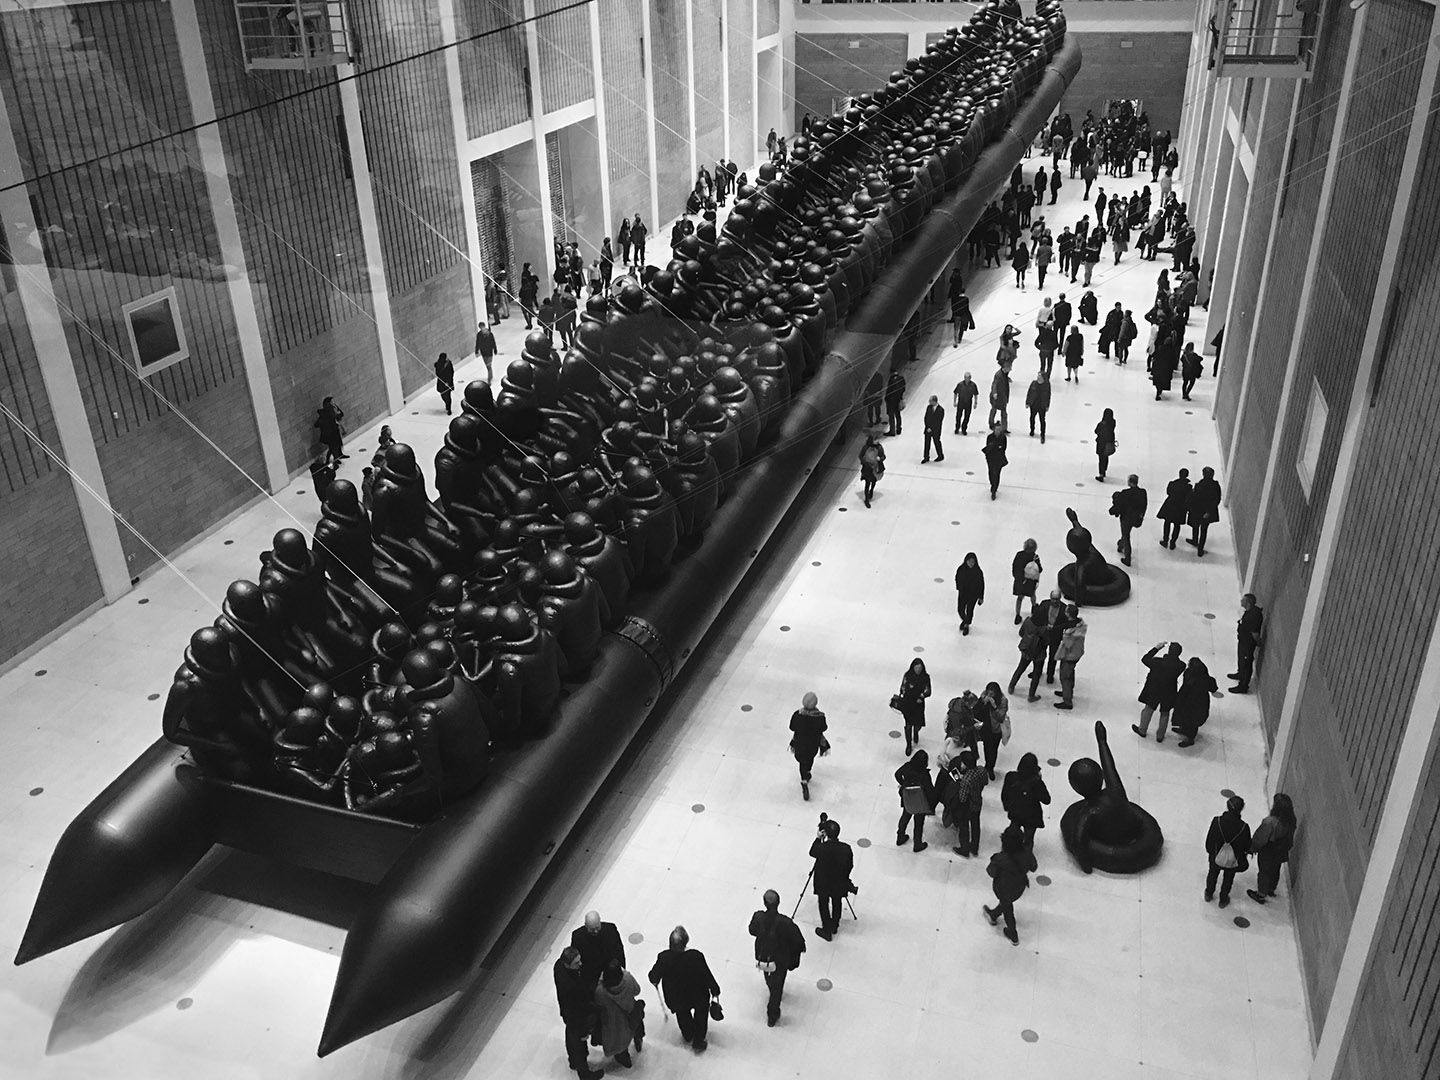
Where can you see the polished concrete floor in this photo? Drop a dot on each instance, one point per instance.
(1116, 978)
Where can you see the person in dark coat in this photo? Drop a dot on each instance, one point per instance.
(1050, 615)
(328, 420)
(874, 398)
(1037, 400)
(1128, 333)
(969, 589)
(894, 401)
(1204, 508)
(1024, 797)
(807, 738)
(915, 774)
(1162, 363)
(1128, 504)
(486, 348)
(529, 295)
(623, 238)
(1162, 683)
(1023, 577)
(872, 465)
(778, 947)
(934, 428)
(1089, 308)
(1271, 847)
(1046, 345)
(1175, 509)
(1074, 354)
(1247, 643)
(995, 460)
(1034, 642)
(1228, 845)
(960, 317)
(1110, 331)
(638, 233)
(598, 943)
(684, 978)
(833, 862)
(965, 394)
(1104, 442)
(914, 689)
(576, 995)
(445, 380)
(1192, 366)
(1061, 312)
(1192, 701)
(1009, 871)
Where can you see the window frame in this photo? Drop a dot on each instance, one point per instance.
(182, 350)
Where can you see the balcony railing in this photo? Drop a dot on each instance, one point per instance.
(302, 34)
(1265, 39)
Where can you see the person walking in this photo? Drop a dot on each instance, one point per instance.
(688, 986)
(1204, 508)
(934, 428)
(1128, 333)
(1119, 235)
(1162, 683)
(833, 863)
(1044, 256)
(779, 945)
(1025, 570)
(1065, 247)
(996, 444)
(917, 798)
(1247, 642)
(894, 401)
(1192, 366)
(874, 399)
(1110, 329)
(960, 317)
(329, 421)
(1094, 248)
(1020, 263)
(486, 348)
(638, 233)
(965, 394)
(1089, 172)
(1045, 345)
(807, 738)
(1037, 400)
(1271, 845)
(969, 590)
(444, 380)
(1175, 509)
(576, 996)
(1032, 647)
(621, 1014)
(1192, 701)
(1074, 354)
(992, 711)
(1024, 796)
(1104, 442)
(1128, 505)
(1009, 871)
(1000, 399)
(1228, 846)
(914, 689)
(872, 465)
(567, 309)
(546, 317)
(1072, 648)
(1062, 311)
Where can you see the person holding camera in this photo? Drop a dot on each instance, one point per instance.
(807, 738)
(778, 945)
(833, 862)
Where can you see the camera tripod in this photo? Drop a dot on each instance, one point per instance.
(804, 888)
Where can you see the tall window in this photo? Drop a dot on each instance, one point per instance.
(1317, 413)
(157, 337)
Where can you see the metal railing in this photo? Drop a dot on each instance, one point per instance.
(301, 34)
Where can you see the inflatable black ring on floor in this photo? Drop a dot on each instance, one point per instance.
(445, 891)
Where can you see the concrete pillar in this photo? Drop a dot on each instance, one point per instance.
(1226, 254)
(461, 128)
(540, 177)
(1212, 214)
(647, 58)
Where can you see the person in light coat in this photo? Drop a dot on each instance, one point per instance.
(1072, 648)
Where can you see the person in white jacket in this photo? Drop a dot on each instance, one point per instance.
(1072, 648)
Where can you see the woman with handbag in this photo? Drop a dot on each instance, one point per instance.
(917, 798)
(621, 1013)
(872, 465)
(1228, 845)
(993, 712)
(807, 726)
(914, 689)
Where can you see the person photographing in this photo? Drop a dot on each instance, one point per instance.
(833, 862)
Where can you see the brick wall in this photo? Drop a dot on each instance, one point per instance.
(1152, 69)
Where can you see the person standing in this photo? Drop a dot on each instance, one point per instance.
(914, 689)
(607, 264)
(996, 443)
(1032, 647)
(1162, 683)
(1054, 185)
(1128, 333)
(1024, 796)
(1009, 872)
(934, 428)
(1050, 617)
(685, 980)
(623, 238)
(576, 996)
(565, 316)
(546, 317)
(917, 798)
(486, 348)
(1104, 442)
(1044, 256)
(1020, 263)
(1046, 344)
(1247, 643)
(872, 465)
(772, 141)
(598, 943)
(1271, 847)
(621, 1013)
(1065, 246)
(992, 712)
(1089, 173)
(807, 738)
(778, 946)
(1062, 312)
(1094, 248)
(1192, 701)
(1000, 399)
(1072, 648)
(1128, 504)
(874, 398)
(529, 295)
(502, 294)
(894, 401)
(638, 233)
(1025, 569)
(445, 380)
(965, 394)
(1228, 845)
(966, 793)
(1074, 354)
(969, 590)
(1204, 508)
(1110, 329)
(833, 862)
(1037, 400)
(1175, 508)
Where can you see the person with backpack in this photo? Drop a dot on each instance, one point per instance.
(917, 798)
(1025, 578)
(1271, 847)
(872, 465)
(1009, 872)
(778, 946)
(1228, 845)
(1024, 797)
